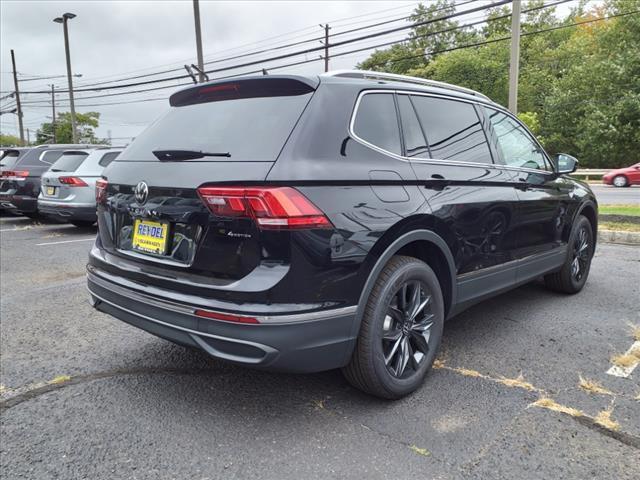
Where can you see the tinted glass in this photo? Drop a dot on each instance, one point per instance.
(249, 129)
(10, 158)
(40, 158)
(515, 144)
(107, 158)
(415, 145)
(376, 122)
(453, 130)
(69, 162)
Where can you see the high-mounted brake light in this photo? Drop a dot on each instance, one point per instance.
(270, 207)
(101, 190)
(15, 174)
(226, 317)
(220, 88)
(72, 181)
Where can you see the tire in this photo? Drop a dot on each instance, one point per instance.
(620, 181)
(374, 368)
(83, 223)
(579, 255)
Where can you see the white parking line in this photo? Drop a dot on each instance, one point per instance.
(65, 241)
(624, 372)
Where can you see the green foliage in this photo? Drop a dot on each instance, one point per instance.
(579, 87)
(85, 125)
(9, 140)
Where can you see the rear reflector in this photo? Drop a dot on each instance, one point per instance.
(101, 190)
(72, 181)
(270, 207)
(226, 317)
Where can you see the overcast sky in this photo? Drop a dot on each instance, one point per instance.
(115, 39)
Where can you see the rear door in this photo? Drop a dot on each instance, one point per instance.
(545, 203)
(473, 197)
(154, 215)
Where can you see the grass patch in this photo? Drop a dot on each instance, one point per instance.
(621, 209)
(60, 379)
(625, 360)
(592, 386)
(604, 420)
(420, 451)
(518, 382)
(551, 404)
(619, 226)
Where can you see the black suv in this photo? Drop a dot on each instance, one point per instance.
(309, 223)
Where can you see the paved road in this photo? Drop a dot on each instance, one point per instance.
(607, 194)
(137, 407)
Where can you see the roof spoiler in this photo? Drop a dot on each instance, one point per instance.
(244, 87)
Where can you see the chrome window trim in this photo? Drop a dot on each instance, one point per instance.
(435, 161)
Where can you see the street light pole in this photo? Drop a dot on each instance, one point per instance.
(196, 17)
(53, 112)
(514, 61)
(63, 20)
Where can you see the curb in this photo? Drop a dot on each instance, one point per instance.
(615, 236)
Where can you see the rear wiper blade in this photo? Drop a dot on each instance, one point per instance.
(173, 155)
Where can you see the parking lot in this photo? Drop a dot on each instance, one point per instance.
(86, 396)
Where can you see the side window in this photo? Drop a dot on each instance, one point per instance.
(107, 158)
(376, 122)
(415, 144)
(453, 130)
(51, 156)
(515, 144)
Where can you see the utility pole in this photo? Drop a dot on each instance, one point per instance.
(514, 62)
(28, 137)
(326, 46)
(53, 112)
(196, 17)
(18, 106)
(63, 20)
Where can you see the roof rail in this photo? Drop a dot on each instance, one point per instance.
(368, 74)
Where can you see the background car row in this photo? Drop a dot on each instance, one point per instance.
(57, 181)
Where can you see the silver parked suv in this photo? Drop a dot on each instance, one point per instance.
(68, 187)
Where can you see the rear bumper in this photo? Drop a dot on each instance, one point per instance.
(19, 203)
(67, 211)
(297, 342)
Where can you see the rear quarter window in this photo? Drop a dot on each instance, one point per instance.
(376, 122)
(40, 159)
(107, 158)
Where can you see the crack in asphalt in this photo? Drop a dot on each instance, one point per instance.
(29, 392)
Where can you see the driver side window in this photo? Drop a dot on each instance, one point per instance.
(515, 144)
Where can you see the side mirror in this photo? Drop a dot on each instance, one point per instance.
(565, 164)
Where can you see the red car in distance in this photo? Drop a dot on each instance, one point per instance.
(623, 177)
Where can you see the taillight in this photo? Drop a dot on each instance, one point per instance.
(270, 207)
(72, 181)
(225, 317)
(15, 174)
(101, 190)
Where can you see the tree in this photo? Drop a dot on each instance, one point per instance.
(85, 124)
(9, 140)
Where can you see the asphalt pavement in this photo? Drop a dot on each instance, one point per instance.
(87, 396)
(607, 194)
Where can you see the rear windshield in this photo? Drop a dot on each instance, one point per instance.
(39, 158)
(69, 162)
(10, 158)
(249, 129)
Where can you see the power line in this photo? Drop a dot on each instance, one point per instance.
(302, 52)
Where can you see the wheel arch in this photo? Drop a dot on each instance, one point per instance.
(425, 245)
(590, 211)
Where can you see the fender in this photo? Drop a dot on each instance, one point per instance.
(397, 244)
(579, 210)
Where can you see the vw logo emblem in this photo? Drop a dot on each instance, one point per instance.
(141, 192)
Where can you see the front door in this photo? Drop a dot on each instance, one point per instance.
(544, 206)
